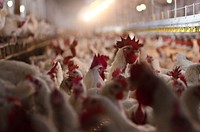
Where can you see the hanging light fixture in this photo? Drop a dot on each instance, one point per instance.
(96, 8)
(141, 7)
(22, 8)
(10, 3)
(169, 1)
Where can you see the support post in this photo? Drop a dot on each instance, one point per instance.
(175, 9)
(17, 7)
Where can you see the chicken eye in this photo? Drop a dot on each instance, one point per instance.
(128, 48)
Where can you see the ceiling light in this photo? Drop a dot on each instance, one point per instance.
(96, 8)
(138, 8)
(22, 8)
(10, 3)
(143, 6)
(169, 1)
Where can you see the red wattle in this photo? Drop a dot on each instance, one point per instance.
(131, 58)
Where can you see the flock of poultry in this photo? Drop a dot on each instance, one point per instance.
(103, 83)
(14, 28)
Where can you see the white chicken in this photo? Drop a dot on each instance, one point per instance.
(177, 81)
(149, 94)
(115, 90)
(56, 74)
(195, 50)
(79, 93)
(61, 108)
(192, 74)
(3, 13)
(10, 69)
(44, 30)
(12, 24)
(95, 76)
(42, 124)
(140, 114)
(40, 96)
(30, 100)
(73, 72)
(182, 62)
(128, 52)
(28, 27)
(104, 106)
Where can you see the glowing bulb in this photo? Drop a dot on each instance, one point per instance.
(169, 1)
(22, 8)
(96, 9)
(138, 8)
(143, 6)
(10, 3)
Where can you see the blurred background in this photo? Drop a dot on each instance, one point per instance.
(68, 45)
(89, 14)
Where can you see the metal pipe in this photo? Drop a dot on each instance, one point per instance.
(175, 9)
(168, 14)
(162, 15)
(45, 9)
(26, 9)
(152, 9)
(185, 11)
(193, 8)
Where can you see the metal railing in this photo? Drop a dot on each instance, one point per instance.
(187, 10)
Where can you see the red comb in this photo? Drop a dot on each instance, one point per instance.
(105, 57)
(119, 78)
(73, 67)
(70, 63)
(182, 77)
(175, 73)
(73, 47)
(76, 80)
(129, 42)
(53, 70)
(66, 59)
(99, 60)
(122, 80)
(116, 72)
(58, 50)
